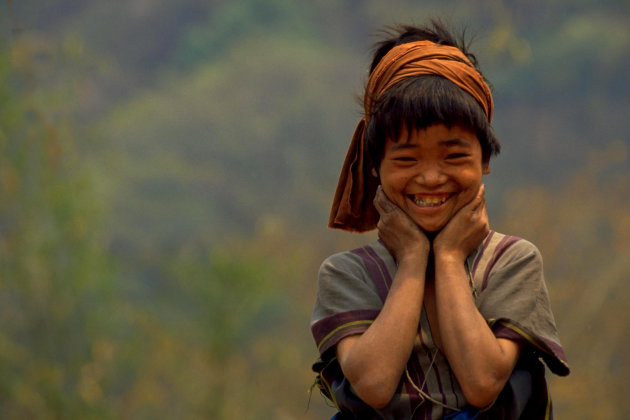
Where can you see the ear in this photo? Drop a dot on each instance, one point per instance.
(485, 168)
(374, 173)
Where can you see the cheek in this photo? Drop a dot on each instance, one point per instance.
(470, 187)
(469, 176)
(393, 183)
(468, 194)
(393, 187)
(389, 190)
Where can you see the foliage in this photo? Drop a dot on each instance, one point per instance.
(166, 170)
(52, 263)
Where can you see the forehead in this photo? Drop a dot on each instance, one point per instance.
(436, 135)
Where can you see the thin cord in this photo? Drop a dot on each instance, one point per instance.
(423, 394)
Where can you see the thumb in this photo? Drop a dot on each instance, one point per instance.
(382, 203)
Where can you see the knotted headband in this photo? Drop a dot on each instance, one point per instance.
(352, 208)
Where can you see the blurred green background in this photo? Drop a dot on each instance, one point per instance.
(166, 170)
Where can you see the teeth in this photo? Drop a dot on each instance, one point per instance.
(429, 201)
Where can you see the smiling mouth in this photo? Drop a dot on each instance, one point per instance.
(429, 201)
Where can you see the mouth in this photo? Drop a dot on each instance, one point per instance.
(429, 201)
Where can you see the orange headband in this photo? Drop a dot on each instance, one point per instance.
(352, 208)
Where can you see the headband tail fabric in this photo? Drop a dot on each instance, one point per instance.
(352, 209)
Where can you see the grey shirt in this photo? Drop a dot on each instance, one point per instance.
(507, 283)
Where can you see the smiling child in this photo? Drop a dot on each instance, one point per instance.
(441, 317)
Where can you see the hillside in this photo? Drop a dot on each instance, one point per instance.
(166, 170)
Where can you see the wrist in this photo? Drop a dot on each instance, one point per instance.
(414, 261)
(449, 257)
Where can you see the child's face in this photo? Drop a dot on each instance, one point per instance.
(432, 173)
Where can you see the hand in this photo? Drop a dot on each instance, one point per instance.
(465, 231)
(402, 237)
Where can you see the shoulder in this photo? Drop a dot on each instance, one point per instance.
(359, 262)
(344, 261)
(505, 256)
(500, 247)
(360, 275)
(348, 296)
(514, 248)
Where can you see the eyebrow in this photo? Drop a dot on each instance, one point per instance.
(401, 146)
(448, 143)
(454, 142)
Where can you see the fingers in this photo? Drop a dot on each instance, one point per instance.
(481, 209)
(473, 212)
(467, 229)
(382, 203)
(479, 202)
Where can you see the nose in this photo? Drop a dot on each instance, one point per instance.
(430, 176)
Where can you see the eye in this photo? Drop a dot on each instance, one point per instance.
(457, 156)
(405, 159)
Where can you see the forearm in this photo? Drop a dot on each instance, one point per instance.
(481, 363)
(374, 361)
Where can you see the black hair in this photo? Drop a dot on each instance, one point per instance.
(424, 100)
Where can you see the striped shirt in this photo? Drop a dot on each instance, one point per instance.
(507, 283)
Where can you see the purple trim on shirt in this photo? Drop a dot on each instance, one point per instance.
(381, 263)
(422, 376)
(427, 349)
(501, 331)
(417, 375)
(453, 380)
(553, 353)
(414, 398)
(428, 414)
(341, 334)
(376, 269)
(500, 249)
(322, 329)
(558, 352)
(439, 379)
(478, 258)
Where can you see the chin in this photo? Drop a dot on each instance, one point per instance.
(431, 230)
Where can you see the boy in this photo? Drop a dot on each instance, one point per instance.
(441, 317)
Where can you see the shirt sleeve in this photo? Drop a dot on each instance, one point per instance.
(515, 302)
(347, 300)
